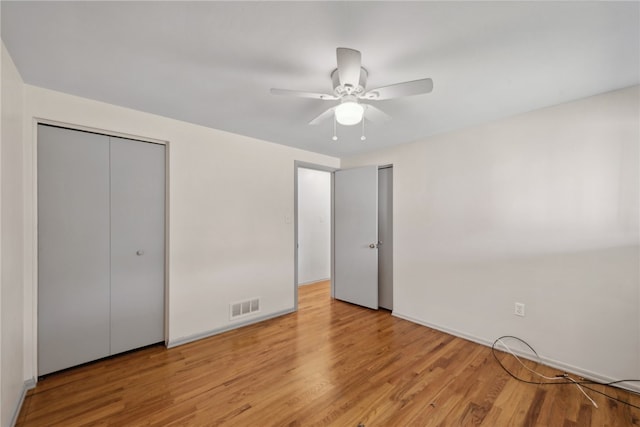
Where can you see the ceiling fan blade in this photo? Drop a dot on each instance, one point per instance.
(323, 116)
(301, 94)
(415, 87)
(349, 63)
(374, 114)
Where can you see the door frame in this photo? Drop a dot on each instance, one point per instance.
(305, 165)
(34, 222)
(381, 167)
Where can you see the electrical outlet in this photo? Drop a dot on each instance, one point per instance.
(519, 309)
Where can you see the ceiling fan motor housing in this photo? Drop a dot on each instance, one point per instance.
(340, 90)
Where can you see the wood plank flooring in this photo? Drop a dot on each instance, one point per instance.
(329, 364)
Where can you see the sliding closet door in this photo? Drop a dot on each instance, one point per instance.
(73, 248)
(137, 244)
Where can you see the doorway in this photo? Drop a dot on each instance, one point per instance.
(368, 283)
(314, 226)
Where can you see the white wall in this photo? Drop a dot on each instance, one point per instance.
(11, 248)
(231, 206)
(314, 225)
(541, 208)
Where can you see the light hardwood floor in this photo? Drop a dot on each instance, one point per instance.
(331, 363)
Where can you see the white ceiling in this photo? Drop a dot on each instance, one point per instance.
(213, 63)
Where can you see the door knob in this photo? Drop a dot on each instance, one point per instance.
(372, 245)
(140, 253)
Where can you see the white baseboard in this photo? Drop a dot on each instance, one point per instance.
(28, 385)
(236, 325)
(313, 281)
(564, 367)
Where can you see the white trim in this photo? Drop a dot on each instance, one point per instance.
(33, 249)
(564, 367)
(2, 50)
(312, 282)
(191, 338)
(28, 385)
(167, 247)
(42, 121)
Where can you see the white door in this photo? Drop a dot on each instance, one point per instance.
(356, 236)
(137, 244)
(73, 248)
(100, 246)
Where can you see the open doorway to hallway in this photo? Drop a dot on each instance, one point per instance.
(314, 226)
(317, 218)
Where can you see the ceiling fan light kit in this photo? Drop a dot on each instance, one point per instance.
(349, 112)
(349, 87)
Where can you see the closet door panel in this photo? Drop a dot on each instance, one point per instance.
(73, 248)
(137, 244)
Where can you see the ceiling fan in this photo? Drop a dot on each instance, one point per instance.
(350, 88)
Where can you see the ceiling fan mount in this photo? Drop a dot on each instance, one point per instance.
(349, 81)
(341, 90)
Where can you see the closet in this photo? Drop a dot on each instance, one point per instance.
(101, 246)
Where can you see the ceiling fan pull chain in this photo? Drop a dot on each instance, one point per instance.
(362, 138)
(335, 137)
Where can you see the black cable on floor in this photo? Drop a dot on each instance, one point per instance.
(582, 383)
